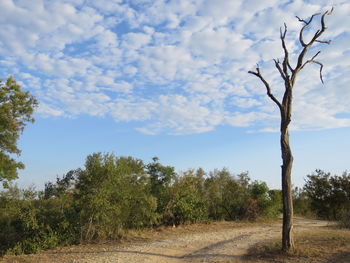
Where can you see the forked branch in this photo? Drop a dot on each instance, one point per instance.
(278, 66)
(312, 60)
(318, 33)
(306, 24)
(301, 64)
(285, 64)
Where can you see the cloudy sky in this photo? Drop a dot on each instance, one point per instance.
(168, 78)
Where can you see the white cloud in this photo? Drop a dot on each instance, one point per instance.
(245, 102)
(47, 110)
(129, 110)
(246, 119)
(122, 86)
(135, 40)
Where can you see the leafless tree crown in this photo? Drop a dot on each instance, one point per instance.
(287, 72)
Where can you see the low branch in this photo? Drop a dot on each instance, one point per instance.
(268, 89)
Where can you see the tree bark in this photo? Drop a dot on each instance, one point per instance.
(287, 159)
(286, 171)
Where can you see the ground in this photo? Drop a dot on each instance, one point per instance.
(215, 242)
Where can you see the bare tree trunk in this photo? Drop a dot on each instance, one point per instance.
(287, 163)
(287, 158)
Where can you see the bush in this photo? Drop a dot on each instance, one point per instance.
(113, 194)
(30, 225)
(186, 203)
(226, 195)
(329, 195)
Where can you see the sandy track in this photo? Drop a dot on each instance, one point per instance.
(224, 245)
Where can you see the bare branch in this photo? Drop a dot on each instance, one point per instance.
(318, 52)
(324, 41)
(323, 26)
(321, 67)
(317, 34)
(286, 64)
(283, 35)
(315, 55)
(278, 66)
(306, 24)
(268, 89)
(312, 60)
(328, 12)
(301, 36)
(310, 20)
(301, 20)
(288, 73)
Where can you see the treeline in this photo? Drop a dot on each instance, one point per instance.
(324, 196)
(111, 195)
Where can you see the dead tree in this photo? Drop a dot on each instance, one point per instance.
(289, 75)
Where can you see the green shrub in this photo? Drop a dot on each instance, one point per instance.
(186, 203)
(110, 195)
(329, 195)
(113, 194)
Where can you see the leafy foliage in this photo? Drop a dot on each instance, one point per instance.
(29, 224)
(329, 195)
(16, 108)
(186, 203)
(161, 177)
(111, 194)
(301, 203)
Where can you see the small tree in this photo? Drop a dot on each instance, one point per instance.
(329, 195)
(113, 194)
(16, 108)
(161, 177)
(289, 75)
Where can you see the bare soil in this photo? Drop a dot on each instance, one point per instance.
(216, 242)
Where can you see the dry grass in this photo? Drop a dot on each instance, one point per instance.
(319, 245)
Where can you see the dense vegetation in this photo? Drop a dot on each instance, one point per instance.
(325, 196)
(111, 195)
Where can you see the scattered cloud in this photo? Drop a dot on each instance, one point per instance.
(176, 67)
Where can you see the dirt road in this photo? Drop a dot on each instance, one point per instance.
(215, 245)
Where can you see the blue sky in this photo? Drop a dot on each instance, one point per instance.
(169, 79)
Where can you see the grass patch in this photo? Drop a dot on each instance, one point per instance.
(319, 245)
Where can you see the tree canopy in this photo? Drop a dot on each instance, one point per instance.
(16, 109)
